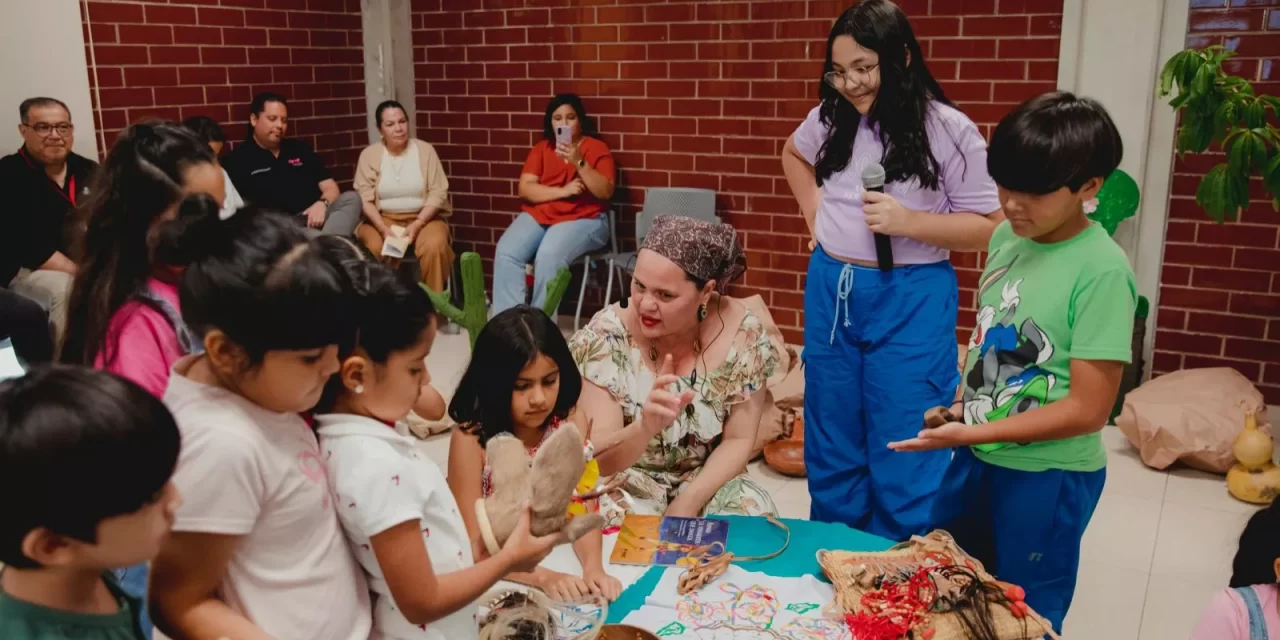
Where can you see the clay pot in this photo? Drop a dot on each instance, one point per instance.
(786, 457)
(624, 632)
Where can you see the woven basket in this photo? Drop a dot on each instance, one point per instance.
(848, 572)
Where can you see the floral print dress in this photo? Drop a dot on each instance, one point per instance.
(609, 358)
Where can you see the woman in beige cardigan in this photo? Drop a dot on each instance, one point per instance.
(401, 182)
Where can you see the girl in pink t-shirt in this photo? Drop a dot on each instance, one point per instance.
(123, 315)
(1248, 609)
(257, 550)
(124, 312)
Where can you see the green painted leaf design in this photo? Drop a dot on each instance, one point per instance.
(673, 629)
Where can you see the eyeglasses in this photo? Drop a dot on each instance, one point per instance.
(44, 129)
(837, 78)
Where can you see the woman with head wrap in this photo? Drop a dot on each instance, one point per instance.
(673, 384)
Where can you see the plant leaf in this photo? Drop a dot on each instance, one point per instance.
(1224, 117)
(1255, 114)
(1238, 185)
(1212, 194)
(1272, 102)
(1191, 64)
(1271, 175)
(1166, 75)
(1203, 81)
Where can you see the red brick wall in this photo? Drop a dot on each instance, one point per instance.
(192, 57)
(697, 94)
(1220, 284)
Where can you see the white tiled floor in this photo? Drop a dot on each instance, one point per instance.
(1158, 546)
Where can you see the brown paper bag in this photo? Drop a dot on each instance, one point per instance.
(1192, 417)
(785, 387)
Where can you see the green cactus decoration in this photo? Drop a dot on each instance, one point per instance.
(555, 291)
(474, 312)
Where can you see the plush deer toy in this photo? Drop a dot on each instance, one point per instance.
(547, 481)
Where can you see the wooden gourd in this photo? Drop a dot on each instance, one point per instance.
(1254, 478)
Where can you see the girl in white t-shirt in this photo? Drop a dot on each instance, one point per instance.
(395, 506)
(257, 551)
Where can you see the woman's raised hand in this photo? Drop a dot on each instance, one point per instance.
(662, 406)
(570, 152)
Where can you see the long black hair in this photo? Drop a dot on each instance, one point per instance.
(902, 105)
(1259, 547)
(259, 279)
(505, 346)
(139, 181)
(585, 123)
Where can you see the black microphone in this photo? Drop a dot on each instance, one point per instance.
(873, 180)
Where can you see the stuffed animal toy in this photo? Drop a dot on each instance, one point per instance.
(546, 481)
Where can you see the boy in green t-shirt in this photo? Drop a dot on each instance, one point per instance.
(85, 461)
(1055, 320)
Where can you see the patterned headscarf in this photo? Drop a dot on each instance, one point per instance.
(704, 250)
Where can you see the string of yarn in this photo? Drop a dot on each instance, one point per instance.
(708, 567)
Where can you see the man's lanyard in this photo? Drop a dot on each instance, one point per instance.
(70, 193)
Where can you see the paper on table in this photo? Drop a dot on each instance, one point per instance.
(9, 365)
(396, 244)
(754, 604)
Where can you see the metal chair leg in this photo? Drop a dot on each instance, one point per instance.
(582, 291)
(608, 289)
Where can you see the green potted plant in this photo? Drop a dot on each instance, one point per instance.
(1223, 110)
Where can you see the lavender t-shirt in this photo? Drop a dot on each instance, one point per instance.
(964, 185)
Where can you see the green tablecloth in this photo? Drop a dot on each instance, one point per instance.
(755, 536)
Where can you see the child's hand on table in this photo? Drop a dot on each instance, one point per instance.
(562, 586)
(602, 584)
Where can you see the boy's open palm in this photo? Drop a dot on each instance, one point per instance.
(526, 551)
(662, 406)
(947, 436)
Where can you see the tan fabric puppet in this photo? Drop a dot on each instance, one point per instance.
(546, 480)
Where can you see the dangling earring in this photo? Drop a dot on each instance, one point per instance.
(359, 389)
(702, 312)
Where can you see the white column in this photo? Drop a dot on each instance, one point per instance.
(1113, 50)
(388, 58)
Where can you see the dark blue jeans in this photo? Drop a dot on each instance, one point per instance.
(1025, 526)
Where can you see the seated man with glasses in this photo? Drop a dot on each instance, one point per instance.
(44, 181)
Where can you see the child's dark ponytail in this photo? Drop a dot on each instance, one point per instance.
(196, 227)
(260, 280)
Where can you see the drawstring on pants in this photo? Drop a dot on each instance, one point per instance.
(843, 289)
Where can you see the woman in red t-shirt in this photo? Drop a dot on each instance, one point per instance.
(565, 188)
